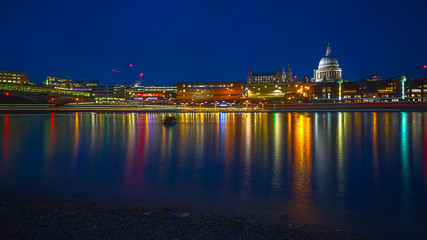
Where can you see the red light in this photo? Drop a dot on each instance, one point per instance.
(52, 99)
(375, 76)
(141, 74)
(295, 77)
(131, 65)
(425, 66)
(148, 95)
(7, 94)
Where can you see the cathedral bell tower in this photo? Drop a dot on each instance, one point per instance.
(288, 74)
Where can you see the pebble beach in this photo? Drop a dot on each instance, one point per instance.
(35, 216)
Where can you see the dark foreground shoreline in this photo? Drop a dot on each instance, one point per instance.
(34, 216)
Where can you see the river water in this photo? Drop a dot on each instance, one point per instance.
(363, 171)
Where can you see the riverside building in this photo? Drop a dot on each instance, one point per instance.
(153, 94)
(207, 92)
(13, 77)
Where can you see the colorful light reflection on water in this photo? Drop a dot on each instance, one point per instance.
(362, 170)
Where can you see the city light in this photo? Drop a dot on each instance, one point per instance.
(403, 80)
(131, 65)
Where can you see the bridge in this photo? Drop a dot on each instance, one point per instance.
(34, 94)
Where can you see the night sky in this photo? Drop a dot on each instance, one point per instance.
(175, 41)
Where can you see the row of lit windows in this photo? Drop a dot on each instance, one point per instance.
(10, 77)
(266, 77)
(10, 81)
(210, 86)
(10, 74)
(208, 95)
(418, 90)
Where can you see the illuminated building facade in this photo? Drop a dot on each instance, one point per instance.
(281, 92)
(153, 94)
(201, 92)
(391, 90)
(165, 89)
(13, 77)
(87, 83)
(58, 82)
(326, 91)
(416, 89)
(66, 83)
(328, 69)
(109, 93)
(265, 77)
(267, 91)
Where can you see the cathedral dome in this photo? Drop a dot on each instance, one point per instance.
(329, 69)
(328, 61)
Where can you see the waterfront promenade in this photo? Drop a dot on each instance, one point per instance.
(310, 107)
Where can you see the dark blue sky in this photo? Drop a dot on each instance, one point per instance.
(171, 41)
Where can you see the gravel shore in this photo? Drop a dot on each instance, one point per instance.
(34, 216)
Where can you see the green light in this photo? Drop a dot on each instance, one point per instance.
(403, 80)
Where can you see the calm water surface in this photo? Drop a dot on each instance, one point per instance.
(365, 171)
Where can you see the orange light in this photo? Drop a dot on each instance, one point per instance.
(425, 66)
